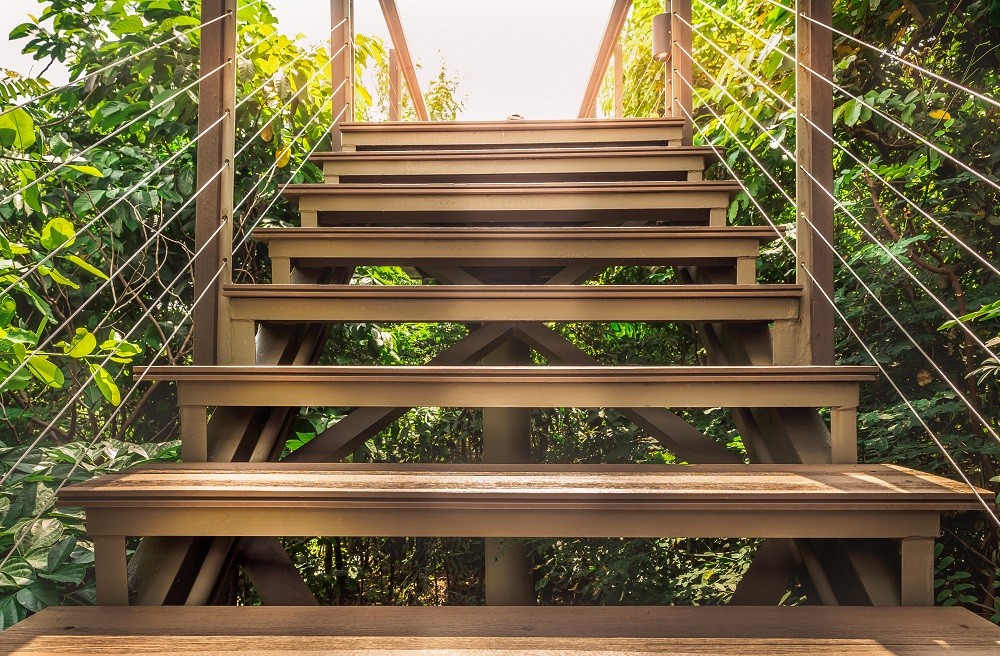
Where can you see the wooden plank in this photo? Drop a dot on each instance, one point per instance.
(273, 574)
(395, 87)
(522, 165)
(749, 487)
(698, 203)
(512, 134)
(468, 303)
(398, 38)
(612, 32)
(814, 177)
(682, 78)
(214, 205)
(341, 66)
(569, 631)
(517, 246)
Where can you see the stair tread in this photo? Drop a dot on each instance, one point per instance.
(529, 374)
(744, 487)
(520, 153)
(607, 292)
(555, 233)
(571, 631)
(504, 125)
(511, 188)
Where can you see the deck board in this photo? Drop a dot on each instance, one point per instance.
(470, 631)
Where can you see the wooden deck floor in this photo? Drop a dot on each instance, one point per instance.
(566, 631)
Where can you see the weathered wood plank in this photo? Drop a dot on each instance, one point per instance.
(467, 303)
(567, 631)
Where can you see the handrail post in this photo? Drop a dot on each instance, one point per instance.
(341, 66)
(395, 87)
(214, 206)
(814, 179)
(681, 102)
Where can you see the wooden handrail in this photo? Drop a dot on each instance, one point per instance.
(616, 21)
(395, 25)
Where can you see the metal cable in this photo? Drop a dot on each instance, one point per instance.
(971, 334)
(927, 215)
(120, 200)
(870, 292)
(139, 251)
(934, 438)
(940, 78)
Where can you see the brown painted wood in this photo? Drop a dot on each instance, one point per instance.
(468, 303)
(612, 33)
(511, 134)
(398, 38)
(747, 487)
(567, 631)
(697, 246)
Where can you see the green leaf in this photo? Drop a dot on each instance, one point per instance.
(8, 308)
(83, 344)
(106, 383)
(80, 262)
(127, 25)
(38, 596)
(11, 612)
(57, 231)
(89, 170)
(16, 573)
(73, 573)
(60, 552)
(39, 534)
(17, 130)
(42, 369)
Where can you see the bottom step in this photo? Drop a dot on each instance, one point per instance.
(563, 630)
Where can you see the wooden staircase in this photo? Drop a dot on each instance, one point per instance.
(510, 220)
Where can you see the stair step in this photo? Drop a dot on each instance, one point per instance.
(700, 501)
(528, 387)
(580, 202)
(527, 165)
(473, 303)
(511, 134)
(477, 631)
(735, 246)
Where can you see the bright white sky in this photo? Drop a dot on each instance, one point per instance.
(529, 57)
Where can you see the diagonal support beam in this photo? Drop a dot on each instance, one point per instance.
(273, 574)
(616, 21)
(674, 433)
(398, 37)
(344, 437)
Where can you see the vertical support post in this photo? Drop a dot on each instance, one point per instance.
(111, 570)
(917, 556)
(507, 440)
(680, 89)
(341, 66)
(214, 206)
(619, 73)
(395, 87)
(814, 178)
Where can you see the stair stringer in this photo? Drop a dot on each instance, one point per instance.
(170, 571)
(834, 572)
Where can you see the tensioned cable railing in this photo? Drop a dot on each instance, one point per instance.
(930, 360)
(896, 58)
(871, 354)
(119, 62)
(784, 193)
(865, 165)
(828, 244)
(157, 233)
(154, 306)
(892, 256)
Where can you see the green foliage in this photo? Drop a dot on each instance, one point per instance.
(47, 558)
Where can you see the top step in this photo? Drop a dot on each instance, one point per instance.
(580, 133)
